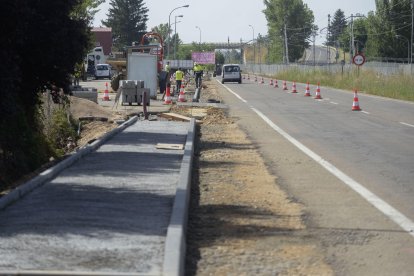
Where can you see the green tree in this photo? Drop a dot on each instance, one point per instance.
(296, 18)
(39, 50)
(161, 29)
(337, 27)
(220, 58)
(389, 29)
(128, 20)
(87, 9)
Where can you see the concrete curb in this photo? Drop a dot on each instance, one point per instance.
(52, 172)
(175, 243)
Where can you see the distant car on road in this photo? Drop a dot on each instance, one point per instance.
(231, 73)
(103, 71)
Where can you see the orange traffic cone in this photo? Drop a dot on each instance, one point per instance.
(318, 92)
(271, 82)
(106, 93)
(167, 99)
(262, 81)
(307, 91)
(294, 87)
(181, 97)
(284, 85)
(276, 84)
(355, 104)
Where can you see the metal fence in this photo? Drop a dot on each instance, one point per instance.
(384, 68)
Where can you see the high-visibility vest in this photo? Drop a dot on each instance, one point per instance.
(179, 75)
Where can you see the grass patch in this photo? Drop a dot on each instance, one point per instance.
(369, 82)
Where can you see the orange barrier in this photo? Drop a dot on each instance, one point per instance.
(307, 91)
(294, 87)
(168, 95)
(181, 96)
(318, 92)
(284, 85)
(355, 103)
(106, 93)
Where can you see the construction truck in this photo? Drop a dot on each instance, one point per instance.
(151, 43)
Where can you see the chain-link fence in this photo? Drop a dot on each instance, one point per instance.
(384, 68)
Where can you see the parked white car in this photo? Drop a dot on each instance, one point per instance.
(103, 71)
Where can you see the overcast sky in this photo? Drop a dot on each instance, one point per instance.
(221, 19)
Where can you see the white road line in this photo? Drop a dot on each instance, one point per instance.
(392, 213)
(406, 124)
(365, 112)
(334, 103)
(236, 95)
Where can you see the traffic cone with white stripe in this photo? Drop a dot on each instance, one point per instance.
(181, 96)
(294, 87)
(355, 104)
(167, 99)
(318, 92)
(307, 91)
(271, 82)
(284, 85)
(276, 84)
(106, 93)
(262, 81)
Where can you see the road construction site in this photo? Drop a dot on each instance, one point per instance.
(257, 204)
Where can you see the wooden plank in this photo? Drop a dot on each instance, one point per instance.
(176, 117)
(169, 146)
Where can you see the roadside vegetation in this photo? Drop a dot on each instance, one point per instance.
(370, 82)
(39, 55)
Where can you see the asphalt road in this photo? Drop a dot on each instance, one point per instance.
(353, 170)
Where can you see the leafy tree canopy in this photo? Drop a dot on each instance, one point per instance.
(128, 20)
(297, 18)
(337, 27)
(42, 40)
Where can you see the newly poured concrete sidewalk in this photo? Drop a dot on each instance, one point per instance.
(107, 213)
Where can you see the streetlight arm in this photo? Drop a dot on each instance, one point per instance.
(169, 28)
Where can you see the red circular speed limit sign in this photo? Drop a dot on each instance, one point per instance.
(359, 59)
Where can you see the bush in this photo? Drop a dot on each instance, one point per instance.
(63, 133)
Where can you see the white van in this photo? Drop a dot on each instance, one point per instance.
(231, 73)
(103, 71)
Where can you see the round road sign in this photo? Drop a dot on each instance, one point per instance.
(359, 59)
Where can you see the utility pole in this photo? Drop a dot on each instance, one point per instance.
(412, 33)
(314, 50)
(352, 48)
(327, 39)
(286, 45)
(351, 41)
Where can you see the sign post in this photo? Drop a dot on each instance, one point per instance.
(359, 60)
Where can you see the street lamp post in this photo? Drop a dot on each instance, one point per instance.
(175, 35)
(412, 33)
(169, 29)
(197, 27)
(408, 45)
(254, 46)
